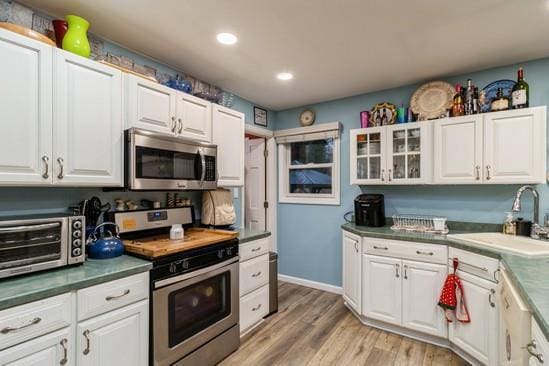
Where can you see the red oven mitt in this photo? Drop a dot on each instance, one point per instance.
(452, 298)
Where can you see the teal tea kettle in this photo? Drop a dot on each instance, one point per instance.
(107, 245)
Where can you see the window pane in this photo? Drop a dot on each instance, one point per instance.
(313, 180)
(307, 152)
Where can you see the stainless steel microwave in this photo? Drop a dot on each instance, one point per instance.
(154, 161)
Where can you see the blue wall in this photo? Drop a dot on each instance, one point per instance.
(309, 242)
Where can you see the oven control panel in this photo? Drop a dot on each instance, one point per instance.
(76, 239)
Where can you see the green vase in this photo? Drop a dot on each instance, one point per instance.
(76, 39)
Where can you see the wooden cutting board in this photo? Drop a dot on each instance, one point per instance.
(158, 246)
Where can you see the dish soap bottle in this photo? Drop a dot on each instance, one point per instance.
(509, 226)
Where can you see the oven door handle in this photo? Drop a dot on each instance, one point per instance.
(203, 162)
(186, 276)
(27, 228)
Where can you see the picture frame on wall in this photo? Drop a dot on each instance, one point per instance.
(260, 116)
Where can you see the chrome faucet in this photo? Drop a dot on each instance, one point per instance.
(537, 230)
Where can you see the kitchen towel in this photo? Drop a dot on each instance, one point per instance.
(452, 298)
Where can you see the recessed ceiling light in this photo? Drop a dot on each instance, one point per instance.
(226, 38)
(284, 76)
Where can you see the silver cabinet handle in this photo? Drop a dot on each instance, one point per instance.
(397, 268)
(180, 126)
(490, 300)
(116, 297)
(405, 272)
(381, 248)
(383, 175)
(34, 321)
(46, 161)
(256, 274)
(478, 172)
(488, 167)
(173, 124)
(356, 246)
(390, 175)
(424, 253)
(203, 163)
(63, 344)
(86, 335)
(531, 348)
(60, 161)
(256, 249)
(257, 308)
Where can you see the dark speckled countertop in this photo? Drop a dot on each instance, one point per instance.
(245, 235)
(529, 275)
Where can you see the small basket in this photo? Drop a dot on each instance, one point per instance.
(420, 224)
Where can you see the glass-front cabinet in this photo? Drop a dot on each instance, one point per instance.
(395, 154)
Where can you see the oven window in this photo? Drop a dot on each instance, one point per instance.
(196, 307)
(164, 164)
(30, 244)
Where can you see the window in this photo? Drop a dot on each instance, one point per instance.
(309, 167)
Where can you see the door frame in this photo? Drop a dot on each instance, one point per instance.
(271, 178)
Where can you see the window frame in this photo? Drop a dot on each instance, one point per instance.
(284, 164)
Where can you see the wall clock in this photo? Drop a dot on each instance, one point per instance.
(307, 117)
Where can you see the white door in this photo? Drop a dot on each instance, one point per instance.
(26, 107)
(228, 135)
(53, 349)
(368, 156)
(408, 153)
(119, 337)
(421, 287)
(255, 184)
(479, 338)
(149, 105)
(457, 152)
(88, 129)
(514, 146)
(194, 117)
(382, 288)
(352, 258)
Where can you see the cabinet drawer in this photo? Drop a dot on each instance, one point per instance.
(539, 345)
(34, 319)
(254, 273)
(253, 307)
(253, 249)
(407, 250)
(112, 295)
(476, 264)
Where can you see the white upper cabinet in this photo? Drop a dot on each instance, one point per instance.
(515, 146)
(228, 135)
(352, 259)
(150, 105)
(26, 110)
(87, 124)
(368, 157)
(194, 117)
(457, 156)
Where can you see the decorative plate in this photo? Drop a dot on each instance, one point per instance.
(383, 114)
(489, 92)
(432, 100)
(307, 117)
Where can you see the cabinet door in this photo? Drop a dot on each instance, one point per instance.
(352, 276)
(88, 128)
(457, 151)
(381, 288)
(368, 159)
(408, 153)
(194, 117)
(118, 338)
(514, 146)
(421, 286)
(53, 349)
(26, 95)
(149, 105)
(228, 135)
(479, 338)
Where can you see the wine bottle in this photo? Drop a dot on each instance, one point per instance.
(469, 97)
(457, 103)
(476, 101)
(520, 95)
(500, 102)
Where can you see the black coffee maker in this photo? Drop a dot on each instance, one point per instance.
(370, 210)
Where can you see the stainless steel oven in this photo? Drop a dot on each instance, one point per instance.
(195, 315)
(34, 243)
(162, 162)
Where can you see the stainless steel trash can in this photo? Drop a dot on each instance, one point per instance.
(273, 283)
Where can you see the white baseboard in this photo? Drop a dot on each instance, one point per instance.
(313, 284)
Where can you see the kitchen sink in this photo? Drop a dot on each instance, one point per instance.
(521, 245)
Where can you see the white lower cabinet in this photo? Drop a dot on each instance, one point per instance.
(53, 349)
(538, 348)
(479, 337)
(103, 339)
(352, 268)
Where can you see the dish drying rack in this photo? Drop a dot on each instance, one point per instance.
(420, 224)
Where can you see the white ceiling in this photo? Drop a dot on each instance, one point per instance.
(335, 48)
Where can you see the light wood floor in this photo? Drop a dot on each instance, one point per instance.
(313, 327)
